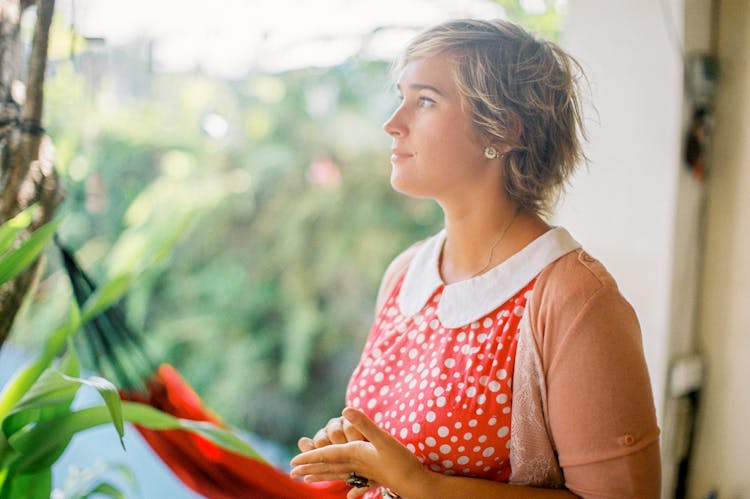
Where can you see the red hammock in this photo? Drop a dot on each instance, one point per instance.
(204, 467)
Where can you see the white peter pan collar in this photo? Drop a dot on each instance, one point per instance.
(466, 301)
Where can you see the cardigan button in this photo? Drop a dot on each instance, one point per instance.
(626, 440)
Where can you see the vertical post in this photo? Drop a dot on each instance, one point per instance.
(25, 177)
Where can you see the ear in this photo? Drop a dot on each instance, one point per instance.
(502, 148)
(513, 132)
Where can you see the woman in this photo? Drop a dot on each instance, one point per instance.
(503, 361)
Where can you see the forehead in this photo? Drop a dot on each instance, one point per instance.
(436, 70)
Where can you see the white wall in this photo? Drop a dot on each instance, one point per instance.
(634, 208)
(639, 210)
(622, 209)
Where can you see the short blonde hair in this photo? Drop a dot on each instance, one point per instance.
(523, 92)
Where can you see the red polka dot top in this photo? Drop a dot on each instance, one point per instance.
(443, 390)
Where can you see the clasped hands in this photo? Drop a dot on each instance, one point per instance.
(354, 444)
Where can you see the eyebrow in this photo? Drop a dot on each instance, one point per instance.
(422, 86)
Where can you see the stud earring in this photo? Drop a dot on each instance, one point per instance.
(491, 153)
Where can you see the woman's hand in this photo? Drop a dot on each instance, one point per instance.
(336, 431)
(380, 458)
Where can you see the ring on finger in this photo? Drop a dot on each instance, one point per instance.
(357, 481)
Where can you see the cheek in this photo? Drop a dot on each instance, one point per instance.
(455, 141)
(453, 154)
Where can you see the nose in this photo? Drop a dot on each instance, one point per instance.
(395, 126)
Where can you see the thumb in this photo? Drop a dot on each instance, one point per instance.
(365, 426)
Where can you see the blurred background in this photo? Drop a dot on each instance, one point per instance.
(243, 140)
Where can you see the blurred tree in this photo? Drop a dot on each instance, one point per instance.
(27, 174)
(541, 16)
(284, 181)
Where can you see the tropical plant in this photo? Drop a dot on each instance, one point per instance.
(37, 417)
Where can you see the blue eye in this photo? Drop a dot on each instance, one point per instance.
(425, 102)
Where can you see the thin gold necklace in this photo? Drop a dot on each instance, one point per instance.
(494, 245)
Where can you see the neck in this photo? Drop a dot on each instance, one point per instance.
(478, 240)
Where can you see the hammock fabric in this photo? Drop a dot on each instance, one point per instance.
(211, 471)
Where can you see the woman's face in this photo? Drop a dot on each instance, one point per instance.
(437, 152)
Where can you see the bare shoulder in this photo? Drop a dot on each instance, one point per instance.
(397, 267)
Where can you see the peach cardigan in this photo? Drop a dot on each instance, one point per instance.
(583, 413)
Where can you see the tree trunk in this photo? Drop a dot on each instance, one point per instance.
(27, 173)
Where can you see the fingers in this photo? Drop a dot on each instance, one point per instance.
(305, 444)
(335, 431)
(369, 430)
(334, 462)
(316, 472)
(364, 449)
(321, 439)
(351, 432)
(332, 455)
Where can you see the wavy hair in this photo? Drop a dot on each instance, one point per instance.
(523, 92)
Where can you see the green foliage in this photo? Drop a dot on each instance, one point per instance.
(13, 262)
(541, 16)
(10, 230)
(273, 301)
(290, 223)
(37, 420)
(34, 401)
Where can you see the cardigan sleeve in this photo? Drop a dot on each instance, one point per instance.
(599, 407)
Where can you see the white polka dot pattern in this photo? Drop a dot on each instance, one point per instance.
(444, 393)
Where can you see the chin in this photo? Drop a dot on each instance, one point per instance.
(407, 190)
(410, 185)
(399, 183)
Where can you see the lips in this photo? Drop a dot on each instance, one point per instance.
(399, 155)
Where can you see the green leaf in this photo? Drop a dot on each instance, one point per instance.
(24, 421)
(18, 420)
(54, 388)
(154, 419)
(107, 295)
(10, 229)
(19, 259)
(31, 485)
(171, 238)
(17, 387)
(4, 481)
(36, 442)
(54, 343)
(108, 391)
(69, 364)
(106, 489)
(49, 399)
(7, 456)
